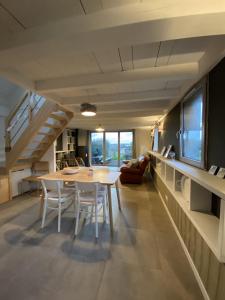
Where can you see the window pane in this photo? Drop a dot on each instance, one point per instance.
(193, 128)
(111, 148)
(96, 148)
(126, 146)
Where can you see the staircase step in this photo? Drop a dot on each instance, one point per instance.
(63, 109)
(53, 126)
(34, 149)
(28, 158)
(45, 133)
(58, 117)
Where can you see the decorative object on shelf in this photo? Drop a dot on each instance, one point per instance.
(163, 150)
(184, 185)
(88, 110)
(100, 128)
(172, 155)
(156, 139)
(221, 173)
(213, 170)
(168, 151)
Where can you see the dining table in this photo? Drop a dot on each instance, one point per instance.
(105, 175)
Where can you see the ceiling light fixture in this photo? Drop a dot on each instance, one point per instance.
(88, 110)
(100, 128)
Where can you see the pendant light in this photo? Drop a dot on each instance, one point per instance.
(88, 110)
(100, 128)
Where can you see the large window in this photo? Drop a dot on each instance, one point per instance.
(96, 148)
(193, 127)
(111, 148)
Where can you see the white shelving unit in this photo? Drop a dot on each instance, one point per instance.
(197, 200)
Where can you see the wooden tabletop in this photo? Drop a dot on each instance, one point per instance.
(100, 174)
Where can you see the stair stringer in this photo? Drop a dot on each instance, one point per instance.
(52, 138)
(29, 133)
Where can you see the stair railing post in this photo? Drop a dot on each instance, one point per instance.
(30, 107)
(7, 139)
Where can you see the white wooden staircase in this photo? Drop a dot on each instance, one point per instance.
(32, 128)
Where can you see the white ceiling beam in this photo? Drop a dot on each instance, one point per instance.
(113, 122)
(169, 72)
(119, 98)
(17, 78)
(129, 107)
(122, 26)
(115, 125)
(214, 53)
(126, 113)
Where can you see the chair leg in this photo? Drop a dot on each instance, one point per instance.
(77, 217)
(92, 212)
(59, 216)
(44, 213)
(104, 209)
(74, 205)
(96, 221)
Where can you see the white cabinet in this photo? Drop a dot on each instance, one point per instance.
(17, 186)
(4, 188)
(193, 189)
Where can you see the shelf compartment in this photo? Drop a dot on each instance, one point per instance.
(163, 169)
(170, 176)
(182, 185)
(201, 198)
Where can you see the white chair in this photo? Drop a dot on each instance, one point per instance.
(56, 198)
(90, 194)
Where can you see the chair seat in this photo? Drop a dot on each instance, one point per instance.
(32, 178)
(88, 197)
(65, 194)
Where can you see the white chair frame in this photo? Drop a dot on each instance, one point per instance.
(56, 199)
(98, 195)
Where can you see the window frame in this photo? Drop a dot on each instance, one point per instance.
(202, 85)
(104, 142)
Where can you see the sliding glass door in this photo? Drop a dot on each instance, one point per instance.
(126, 146)
(111, 148)
(97, 148)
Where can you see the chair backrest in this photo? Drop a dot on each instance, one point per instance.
(80, 161)
(40, 167)
(90, 187)
(72, 162)
(52, 185)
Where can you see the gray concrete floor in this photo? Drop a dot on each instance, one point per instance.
(144, 260)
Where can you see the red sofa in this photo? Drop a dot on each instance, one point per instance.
(134, 175)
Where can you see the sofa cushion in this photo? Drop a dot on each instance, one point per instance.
(133, 163)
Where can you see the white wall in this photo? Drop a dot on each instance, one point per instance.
(50, 157)
(82, 137)
(2, 140)
(142, 141)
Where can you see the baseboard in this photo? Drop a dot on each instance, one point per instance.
(196, 274)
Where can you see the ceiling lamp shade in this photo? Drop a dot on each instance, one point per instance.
(100, 128)
(88, 110)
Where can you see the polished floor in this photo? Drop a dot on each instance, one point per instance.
(144, 260)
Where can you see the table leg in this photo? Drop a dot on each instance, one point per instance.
(118, 194)
(41, 205)
(110, 209)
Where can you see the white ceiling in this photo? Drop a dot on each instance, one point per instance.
(133, 59)
(10, 94)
